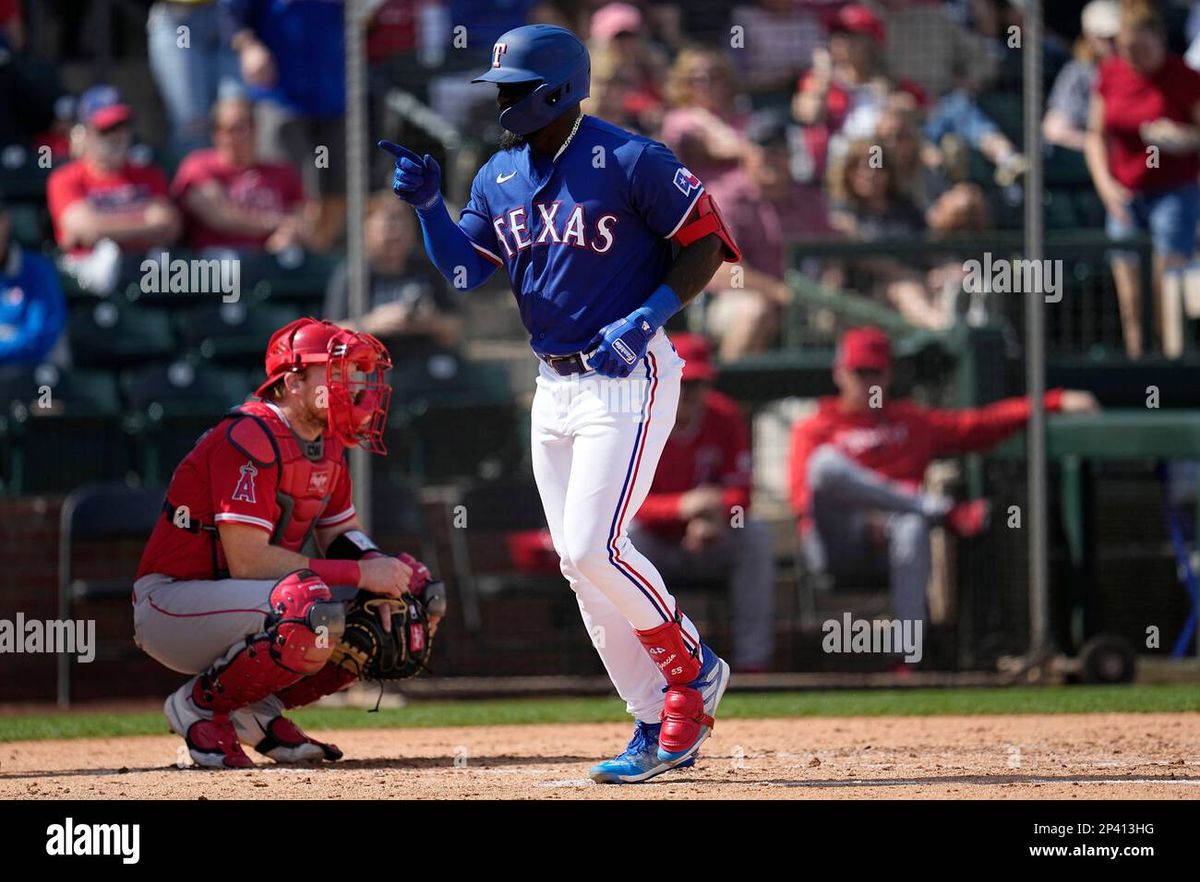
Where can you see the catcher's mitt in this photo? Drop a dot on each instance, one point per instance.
(371, 653)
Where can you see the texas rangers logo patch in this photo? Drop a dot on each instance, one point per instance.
(244, 491)
(686, 182)
(498, 50)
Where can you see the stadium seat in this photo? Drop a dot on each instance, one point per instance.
(27, 225)
(105, 334)
(451, 418)
(22, 178)
(60, 428)
(100, 513)
(299, 276)
(170, 406)
(232, 333)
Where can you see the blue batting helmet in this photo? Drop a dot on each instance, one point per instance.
(549, 55)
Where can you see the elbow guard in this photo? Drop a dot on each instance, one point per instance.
(708, 222)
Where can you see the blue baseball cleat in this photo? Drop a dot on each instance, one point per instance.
(710, 683)
(640, 760)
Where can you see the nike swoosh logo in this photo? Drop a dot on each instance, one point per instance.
(500, 179)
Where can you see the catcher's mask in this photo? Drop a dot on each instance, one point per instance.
(355, 362)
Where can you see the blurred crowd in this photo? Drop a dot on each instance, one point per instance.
(885, 121)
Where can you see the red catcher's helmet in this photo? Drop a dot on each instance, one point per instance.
(354, 366)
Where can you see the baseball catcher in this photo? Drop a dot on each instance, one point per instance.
(223, 592)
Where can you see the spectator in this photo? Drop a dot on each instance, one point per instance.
(610, 97)
(293, 60)
(191, 76)
(857, 466)
(766, 210)
(703, 126)
(948, 64)
(1141, 152)
(925, 45)
(1065, 123)
(869, 204)
(104, 205)
(230, 198)
(843, 95)
(409, 308)
(948, 207)
(638, 67)
(695, 521)
(780, 39)
(32, 310)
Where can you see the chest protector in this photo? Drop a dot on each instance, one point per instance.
(307, 470)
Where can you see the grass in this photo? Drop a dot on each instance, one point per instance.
(897, 702)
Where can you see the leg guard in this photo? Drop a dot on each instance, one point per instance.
(685, 721)
(669, 650)
(300, 633)
(328, 680)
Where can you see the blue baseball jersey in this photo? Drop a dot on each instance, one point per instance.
(585, 237)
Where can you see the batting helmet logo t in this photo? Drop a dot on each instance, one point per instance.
(548, 55)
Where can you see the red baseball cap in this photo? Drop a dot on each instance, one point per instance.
(695, 350)
(857, 19)
(101, 107)
(865, 349)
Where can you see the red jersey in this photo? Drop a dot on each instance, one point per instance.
(393, 29)
(716, 451)
(900, 439)
(1131, 99)
(127, 190)
(249, 469)
(264, 187)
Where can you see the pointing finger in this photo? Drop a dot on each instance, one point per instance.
(399, 152)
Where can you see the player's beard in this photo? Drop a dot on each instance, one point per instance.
(510, 141)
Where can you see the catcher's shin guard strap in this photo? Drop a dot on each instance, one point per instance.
(669, 651)
(330, 679)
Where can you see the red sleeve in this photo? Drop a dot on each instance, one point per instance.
(972, 429)
(242, 491)
(10, 10)
(805, 439)
(736, 464)
(189, 173)
(63, 189)
(293, 187)
(156, 180)
(341, 502)
(660, 508)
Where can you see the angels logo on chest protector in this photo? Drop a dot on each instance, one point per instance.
(549, 224)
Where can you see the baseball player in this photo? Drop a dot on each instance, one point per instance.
(223, 592)
(586, 219)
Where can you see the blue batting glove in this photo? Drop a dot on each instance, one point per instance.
(622, 344)
(418, 179)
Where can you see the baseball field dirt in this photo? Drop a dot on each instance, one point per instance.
(1096, 756)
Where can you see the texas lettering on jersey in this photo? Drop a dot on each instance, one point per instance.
(516, 231)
